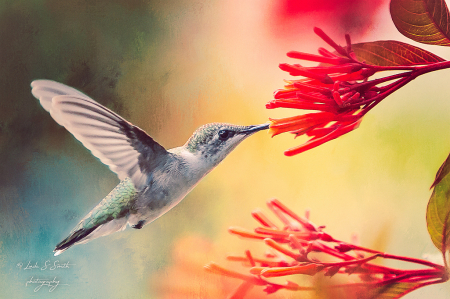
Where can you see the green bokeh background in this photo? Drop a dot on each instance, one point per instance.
(169, 67)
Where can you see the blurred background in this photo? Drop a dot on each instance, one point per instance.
(169, 67)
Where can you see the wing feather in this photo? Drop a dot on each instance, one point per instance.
(125, 148)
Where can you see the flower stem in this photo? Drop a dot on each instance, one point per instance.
(397, 257)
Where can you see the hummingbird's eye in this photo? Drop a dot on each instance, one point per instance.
(225, 134)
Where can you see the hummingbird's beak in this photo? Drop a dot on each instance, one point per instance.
(253, 129)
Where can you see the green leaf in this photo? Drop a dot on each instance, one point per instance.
(438, 210)
(425, 21)
(442, 172)
(393, 291)
(393, 53)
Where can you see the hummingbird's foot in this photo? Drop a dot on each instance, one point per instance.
(139, 225)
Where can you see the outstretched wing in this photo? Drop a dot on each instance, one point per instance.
(125, 148)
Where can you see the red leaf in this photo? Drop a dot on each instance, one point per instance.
(393, 53)
(424, 21)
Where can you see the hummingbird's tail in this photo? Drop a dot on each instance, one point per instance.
(109, 216)
(74, 238)
(83, 235)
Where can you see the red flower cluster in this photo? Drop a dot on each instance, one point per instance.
(339, 88)
(312, 252)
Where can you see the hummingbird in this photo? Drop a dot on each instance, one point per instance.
(152, 179)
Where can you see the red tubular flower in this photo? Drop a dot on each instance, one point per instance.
(312, 252)
(339, 89)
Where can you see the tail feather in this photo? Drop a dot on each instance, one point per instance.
(83, 235)
(75, 237)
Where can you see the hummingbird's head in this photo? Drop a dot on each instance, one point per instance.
(216, 140)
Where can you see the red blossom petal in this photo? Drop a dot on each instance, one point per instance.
(284, 93)
(318, 141)
(308, 87)
(265, 262)
(296, 104)
(281, 249)
(310, 269)
(346, 68)
(295, 242)
(326, 53)
(314, 97)
(304, 222)
(299, 122)
(308, 81)
(337, 98)
(261, 218)
(317, 58)
(303, 131)
(250, 258)
(214, 268)
(359, 75)
(329, 41)
(276, 234)
(245, 233)
(301, 71)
